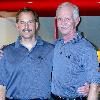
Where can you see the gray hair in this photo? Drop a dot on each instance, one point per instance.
(68, 4)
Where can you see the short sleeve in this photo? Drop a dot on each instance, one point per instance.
(92, 65)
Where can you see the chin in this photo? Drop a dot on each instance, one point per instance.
(26, 36)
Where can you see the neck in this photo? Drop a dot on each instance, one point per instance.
(69, 36)
(28, 43)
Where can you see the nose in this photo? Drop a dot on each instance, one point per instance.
(63, 22)
(26, 25)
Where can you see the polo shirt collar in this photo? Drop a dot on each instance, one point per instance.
(38, 39)
(74, 40)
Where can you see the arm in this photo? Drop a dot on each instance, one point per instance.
(2, 76)
(2, 92)
(99, 88)
(93, 76)
(93, 93)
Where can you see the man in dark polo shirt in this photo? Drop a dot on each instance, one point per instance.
(26, 65)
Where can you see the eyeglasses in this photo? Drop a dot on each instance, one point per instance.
(27, 22)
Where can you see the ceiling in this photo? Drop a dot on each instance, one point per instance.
(48, 7)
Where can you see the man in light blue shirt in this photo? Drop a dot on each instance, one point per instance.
(75, 60)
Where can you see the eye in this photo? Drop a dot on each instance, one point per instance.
(31, 21)
(21, 22)
(67, 19)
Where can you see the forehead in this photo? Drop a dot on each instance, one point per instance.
(26, 16)
(65, 12)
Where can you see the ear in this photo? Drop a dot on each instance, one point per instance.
(77, 20)
(37, 25)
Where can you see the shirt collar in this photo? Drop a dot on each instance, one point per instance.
(38, 38)
(74, 40)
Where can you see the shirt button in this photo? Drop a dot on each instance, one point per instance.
(81, 65)
(68, 56)
(39, 57)
(28, 54)
(60, 52)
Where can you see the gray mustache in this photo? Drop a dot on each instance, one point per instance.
(26, 30)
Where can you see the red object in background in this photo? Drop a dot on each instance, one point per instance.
(48, 7)
(55, 30)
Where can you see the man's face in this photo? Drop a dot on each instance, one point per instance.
(65, 20)
(26, 25)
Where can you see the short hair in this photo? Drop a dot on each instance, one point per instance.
(27, 10)
(68, 4)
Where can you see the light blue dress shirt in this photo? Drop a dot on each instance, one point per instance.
(74, 64)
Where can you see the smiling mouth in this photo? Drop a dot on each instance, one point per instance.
(26, 30)
(64, 28)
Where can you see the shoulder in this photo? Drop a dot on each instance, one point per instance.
(87, 44)
(44, 43)
(87, 48)
(83, 43)
(6, 50)
(8, 47)
(84, 47)
(57, 42)
(47, 44)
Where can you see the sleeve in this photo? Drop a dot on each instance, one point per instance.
(92, 66)
(3, 76)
